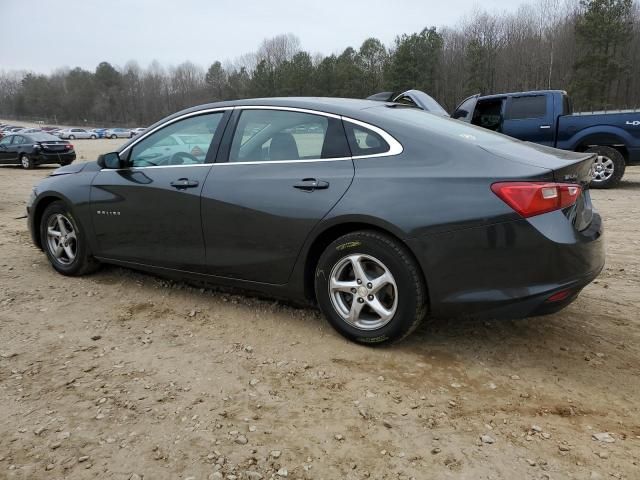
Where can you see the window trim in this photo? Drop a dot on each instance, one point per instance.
(395, 147)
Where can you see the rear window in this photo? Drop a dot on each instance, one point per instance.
(526, 107)
(43, 137)
(444, 126)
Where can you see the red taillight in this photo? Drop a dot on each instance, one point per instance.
(68, 146)
(534, 198)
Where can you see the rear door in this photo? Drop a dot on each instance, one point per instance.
(283, 171)
(530, 118)
(149, 212)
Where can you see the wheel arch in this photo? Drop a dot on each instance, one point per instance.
(331, 232)
(602, 139)
(38, 210)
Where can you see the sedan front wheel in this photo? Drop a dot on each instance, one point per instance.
(64, 242)
(370, 288)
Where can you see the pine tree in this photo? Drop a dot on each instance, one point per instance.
(603, 31)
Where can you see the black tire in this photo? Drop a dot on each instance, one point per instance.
(114, 136)
(83, 262)
(619, 166)
(93, 137)
(411, 290)
(26, 162)
(64, 164)
(72, 137)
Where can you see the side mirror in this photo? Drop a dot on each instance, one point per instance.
(110, 160)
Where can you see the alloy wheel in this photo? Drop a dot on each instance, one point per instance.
(363, 291)
(62, 240)
(25, 161)
(603, 168)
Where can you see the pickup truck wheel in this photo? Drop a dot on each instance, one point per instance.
(608, 168)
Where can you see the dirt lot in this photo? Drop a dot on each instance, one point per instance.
(122, 375)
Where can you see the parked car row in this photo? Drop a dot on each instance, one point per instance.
(74, 132)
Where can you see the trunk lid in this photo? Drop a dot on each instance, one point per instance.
(567, 167)
(55, 146)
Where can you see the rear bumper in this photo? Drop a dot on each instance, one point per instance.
(511, 269)
(48, 158)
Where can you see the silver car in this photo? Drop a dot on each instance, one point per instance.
(71, 133)
(118, 133)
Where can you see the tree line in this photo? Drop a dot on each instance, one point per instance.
(589, 47)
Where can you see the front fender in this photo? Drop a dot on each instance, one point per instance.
(72, 189)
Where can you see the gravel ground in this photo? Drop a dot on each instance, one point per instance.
(123, 375)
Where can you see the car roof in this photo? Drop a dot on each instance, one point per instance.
(522, 94)
(338, 106)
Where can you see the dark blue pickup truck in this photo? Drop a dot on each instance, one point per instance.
(546, 117)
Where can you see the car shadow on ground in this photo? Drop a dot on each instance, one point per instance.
(628, 185)
(466, 337)
(558, 351)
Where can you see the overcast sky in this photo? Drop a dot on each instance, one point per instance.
(41, 35)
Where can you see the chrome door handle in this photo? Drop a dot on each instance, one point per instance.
(545, 126)
(311, 184)
(184, 183)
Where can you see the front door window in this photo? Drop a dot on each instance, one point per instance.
(186, 142)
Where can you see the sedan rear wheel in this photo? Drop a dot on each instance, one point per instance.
(26, 162)
(370, 288)
(72, 137)
(63, 241)
(363, 291)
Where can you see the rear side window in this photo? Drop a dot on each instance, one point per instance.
(527, 107)
(266, 135)
(364, 141)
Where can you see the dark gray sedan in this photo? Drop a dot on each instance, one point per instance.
(377, 212)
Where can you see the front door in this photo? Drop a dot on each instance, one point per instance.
(285, 171)
(149, 212)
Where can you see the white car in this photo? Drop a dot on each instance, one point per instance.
(138, 131)
(71, 133)
(118, 133)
